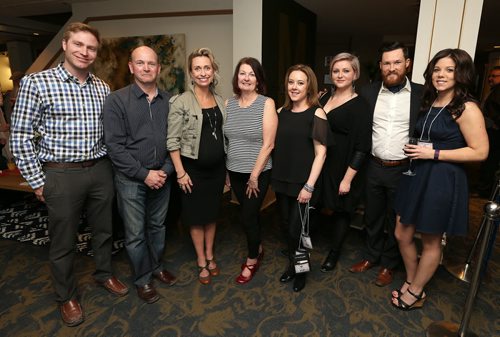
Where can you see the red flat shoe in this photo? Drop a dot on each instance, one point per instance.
(253, 269)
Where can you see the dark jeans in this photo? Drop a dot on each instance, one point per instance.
(67, 192)
(381, 186)
(250, 207)
(290, 215)
(143, 211)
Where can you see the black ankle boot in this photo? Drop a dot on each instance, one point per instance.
(330, 261)
(300, 282)
(288, 275)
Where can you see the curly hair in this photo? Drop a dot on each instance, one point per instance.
(464, 79)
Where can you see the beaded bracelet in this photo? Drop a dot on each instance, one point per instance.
(308, 188)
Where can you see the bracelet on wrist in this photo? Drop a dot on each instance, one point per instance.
(308, 188)
(182, 176)
(436, 154)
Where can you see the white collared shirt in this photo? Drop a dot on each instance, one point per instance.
(391, 122)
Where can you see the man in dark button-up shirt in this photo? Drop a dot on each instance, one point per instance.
(57, 141)
(135, 133)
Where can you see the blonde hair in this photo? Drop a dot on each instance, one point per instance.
(347, 57)
(206, 53)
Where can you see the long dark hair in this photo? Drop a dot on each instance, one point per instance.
(464, 79)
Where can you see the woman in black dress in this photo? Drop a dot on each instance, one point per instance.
(434, 201)
(348, 116)
(299, 154)
(195, 142)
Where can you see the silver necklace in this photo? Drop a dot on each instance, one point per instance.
(432, 122)
(214, 125)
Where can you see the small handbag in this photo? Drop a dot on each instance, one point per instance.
(301, 256)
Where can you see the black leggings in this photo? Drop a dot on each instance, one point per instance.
(291, 220)
(341, 223)
(250, 207)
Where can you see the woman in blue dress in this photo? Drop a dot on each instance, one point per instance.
(434, 201)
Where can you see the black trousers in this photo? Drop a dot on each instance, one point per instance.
(290, 215)
(67, 192)
(489, 167)
(381, 186)
(250, 207)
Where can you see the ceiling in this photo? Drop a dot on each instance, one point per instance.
(389, 18)
(35, 21)
(38, 20)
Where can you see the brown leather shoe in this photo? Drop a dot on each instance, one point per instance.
(165, 277)
(71, 312)
(148, 293)
(361, 267)
(384, 277)
(114, 286)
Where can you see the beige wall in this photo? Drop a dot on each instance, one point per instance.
(213, 31)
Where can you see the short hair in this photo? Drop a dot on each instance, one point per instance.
(312, 86)
(393, 45)
(464, 80)
(206, 53)
(259, 75)
(347, 57)
(76, 27)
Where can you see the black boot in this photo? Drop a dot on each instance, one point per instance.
(300, 282)
(330, 261)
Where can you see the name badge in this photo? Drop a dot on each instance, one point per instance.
(424, 144)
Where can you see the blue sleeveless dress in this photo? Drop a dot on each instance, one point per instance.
(436, 199)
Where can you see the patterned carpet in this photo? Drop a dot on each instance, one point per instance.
(333, 304)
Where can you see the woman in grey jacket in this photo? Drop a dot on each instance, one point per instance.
(196, 144)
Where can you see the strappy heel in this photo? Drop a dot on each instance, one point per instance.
(214, 271)
(396, 293)
(417, 304)
(204, 279)
(245, 279)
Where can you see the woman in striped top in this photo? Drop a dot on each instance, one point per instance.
(250, 130)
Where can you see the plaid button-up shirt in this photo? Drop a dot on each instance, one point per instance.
(57, 119)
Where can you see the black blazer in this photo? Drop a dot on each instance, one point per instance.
(370, 93)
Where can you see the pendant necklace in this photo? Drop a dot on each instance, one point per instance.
(214, 125)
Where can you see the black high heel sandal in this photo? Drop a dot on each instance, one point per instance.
(398, 291)
(417, 304)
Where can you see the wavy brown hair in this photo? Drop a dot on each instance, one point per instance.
(464, 80)
(259, 75)
(312, 86)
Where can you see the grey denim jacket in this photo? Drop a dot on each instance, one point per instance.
(185, 120)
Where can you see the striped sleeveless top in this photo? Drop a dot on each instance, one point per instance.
(243, 130)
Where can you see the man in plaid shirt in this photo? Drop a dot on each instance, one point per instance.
(57, 141)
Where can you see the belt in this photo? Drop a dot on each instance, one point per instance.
(79, 164)
(390, 163)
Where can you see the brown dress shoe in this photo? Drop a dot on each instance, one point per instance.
(114, 286)
(361, 267)
(71, 312)
(384, 277)
(165, 277)
(148, 293)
